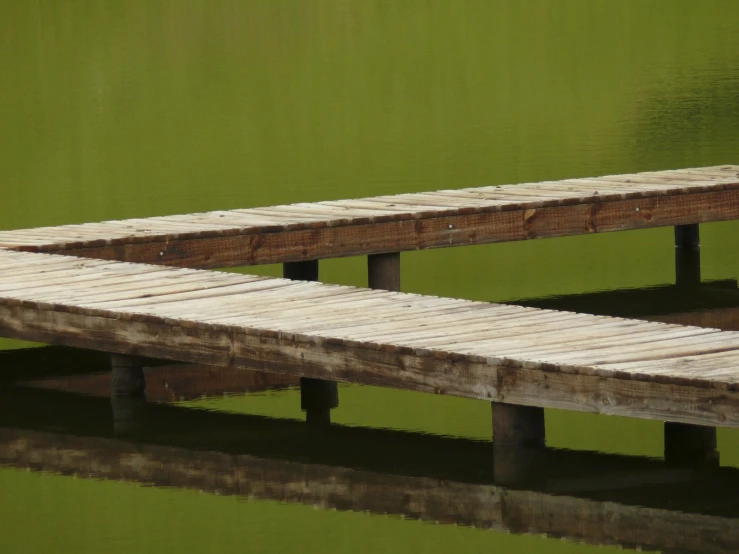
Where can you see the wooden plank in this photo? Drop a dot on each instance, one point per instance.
(211, 294)
(430, 233)
(379, 225)
(306, 329)
(544, 341)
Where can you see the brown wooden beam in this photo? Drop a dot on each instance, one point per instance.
(458, 228)
(168, 383)
(400, 367)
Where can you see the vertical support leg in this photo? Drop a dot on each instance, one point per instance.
(687, 255)
(692, 445)
(301, 271)
(684, 443)
(518, 442)
(383, 271)
(127, 393)
(317, 397)
(127, 378)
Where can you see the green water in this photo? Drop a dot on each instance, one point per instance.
(123, 109)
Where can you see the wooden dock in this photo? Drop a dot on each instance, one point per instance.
(391, 224)
(509, 354)
(522, 359)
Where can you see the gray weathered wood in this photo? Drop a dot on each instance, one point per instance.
(664, 372)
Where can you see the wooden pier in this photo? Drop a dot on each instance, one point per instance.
(390, 224)
(517, 355)
(522, 359)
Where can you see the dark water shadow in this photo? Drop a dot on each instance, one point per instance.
(630, 501)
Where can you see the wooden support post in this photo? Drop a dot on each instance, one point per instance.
(127, 379)
(317, 397)
(691, 445)
(518, 425)
(383, 271)
(127, 393)
(687, 255)
(128, 414)
(518, 443)
(301, 271)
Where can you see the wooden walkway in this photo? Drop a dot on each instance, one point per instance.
(388, 224)
(510, 354)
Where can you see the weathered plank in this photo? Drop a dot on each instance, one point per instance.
(506, 354)
(386, 224)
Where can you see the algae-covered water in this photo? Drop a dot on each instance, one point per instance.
(111, 110)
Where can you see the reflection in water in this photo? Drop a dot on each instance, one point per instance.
(150, 108)
(709, 304)
(581, 496)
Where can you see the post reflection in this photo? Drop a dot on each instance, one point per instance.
(633, 502)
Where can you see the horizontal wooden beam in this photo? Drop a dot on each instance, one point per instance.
(172, 382)
(458, 228)
(504, 354)
(405, 368)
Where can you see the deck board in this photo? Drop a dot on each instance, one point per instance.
(505, 353)
(453, 217)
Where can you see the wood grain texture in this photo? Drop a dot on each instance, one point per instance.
(379, 225)
(508, 354)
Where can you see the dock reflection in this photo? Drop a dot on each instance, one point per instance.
(596, 498)
(707, 304)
